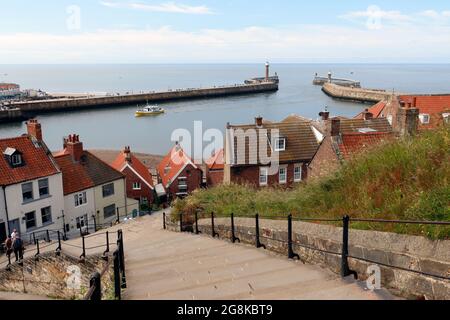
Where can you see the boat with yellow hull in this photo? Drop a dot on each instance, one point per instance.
(149, 111)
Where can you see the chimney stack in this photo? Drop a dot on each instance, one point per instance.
(74, 147)
(127, 152)
(367, 115)
(34, 129)
(335, 127)
(325, 115)
(414, 105)
(407, 121)
(259, 121)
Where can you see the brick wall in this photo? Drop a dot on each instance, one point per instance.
(194, 181)
(214, 177)
(325, 161)
(145, 191)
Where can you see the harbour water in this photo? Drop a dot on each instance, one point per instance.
(116, 127)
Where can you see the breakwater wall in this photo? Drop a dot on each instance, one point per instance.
(35, 107)
(355, 94)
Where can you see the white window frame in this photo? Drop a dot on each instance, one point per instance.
(277, 146)
(80, 199)
(285, 175)
(424, 116)
(390, 119)
(137, 186)
(296, 179)
(266, 175)
(446, 117)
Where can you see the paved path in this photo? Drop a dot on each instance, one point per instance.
(169, 265)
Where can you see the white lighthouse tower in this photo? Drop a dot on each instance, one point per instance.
(267, 71)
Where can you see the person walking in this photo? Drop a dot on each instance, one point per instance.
(18, 248)
(9, 247)
(13, 234)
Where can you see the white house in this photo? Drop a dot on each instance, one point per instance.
(31, 185)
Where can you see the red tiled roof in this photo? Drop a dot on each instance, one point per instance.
(172, 164)
(38, 163)
(89, 172)
(8, 86)
(136, 165)
(429, 104)
(75, 178)
(216, 162)
(356, 142)
(376, 110)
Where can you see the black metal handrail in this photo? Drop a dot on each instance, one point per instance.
(344, 253)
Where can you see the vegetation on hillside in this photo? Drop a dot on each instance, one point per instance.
(406, 179)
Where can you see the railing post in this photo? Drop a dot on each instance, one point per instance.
(345, 269)
(122, 258)
(38, 251)
(48, 236)
(258, 242)
(196, 223)
(181, 222)
(58, 250)
(164, 221)
(117, 284)
(83, 255)
(118, 215)
(233, 233)
(291, 253)
(95, 223)
(97, 283)
(34, 237)
(213, 231)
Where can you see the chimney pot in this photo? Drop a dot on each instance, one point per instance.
(74, 147)
(367, 115)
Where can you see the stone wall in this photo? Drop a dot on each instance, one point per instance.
(48, 276)
(355, 94)
(82, 103)
(409, 252)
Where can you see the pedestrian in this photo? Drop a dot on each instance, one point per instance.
(13, 234)
(8, 247)
(18, 248)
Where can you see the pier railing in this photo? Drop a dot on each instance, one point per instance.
(190, 223)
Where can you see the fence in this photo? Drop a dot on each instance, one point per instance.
(95, 283)
(190, 223)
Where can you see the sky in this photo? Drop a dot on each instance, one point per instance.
(221, 31)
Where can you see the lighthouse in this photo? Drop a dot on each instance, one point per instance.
(267, 71)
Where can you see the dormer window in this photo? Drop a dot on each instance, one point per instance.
(13, 157)
(424, 118)
(280, 144)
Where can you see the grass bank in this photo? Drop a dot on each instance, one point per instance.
(404, 180)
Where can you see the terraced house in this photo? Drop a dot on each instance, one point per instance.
(92, 188)
(31, 196)
(246, 146)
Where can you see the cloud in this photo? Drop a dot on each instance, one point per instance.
(167, 7)
(302, 43)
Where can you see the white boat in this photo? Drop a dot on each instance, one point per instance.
(149, 111)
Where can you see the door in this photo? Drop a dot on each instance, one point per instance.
(14, 224)
(2, 232)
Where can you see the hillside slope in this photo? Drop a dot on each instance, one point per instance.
(408, 179)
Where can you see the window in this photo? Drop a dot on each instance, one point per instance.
(424, 118)
(280, 144)
(390, 119)
(46, 214)
(80, 199)
(30, 220)
(182, 185)
(43, 188)
(137, 186)
(16, 160)
(109, 211)
(27, 192)
(282, 173)
(108, 190)
(82, 221)
(263, 176)
(446, 117)
(298, 173)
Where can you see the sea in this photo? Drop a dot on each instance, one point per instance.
(116, 127)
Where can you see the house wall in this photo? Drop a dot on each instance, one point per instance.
(194, 180)
(250, 175)
(324, 162)
(215, 177)
(118, 199)
(145, 191)
(72, 213)
(17, 209)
